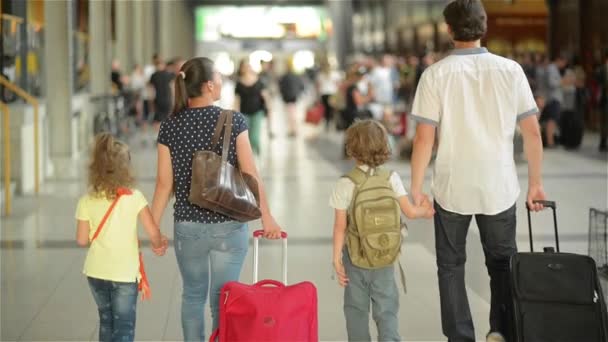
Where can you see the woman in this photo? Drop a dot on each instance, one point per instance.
(291, 87)
(251, 99)
(210, 247)
(327, 84)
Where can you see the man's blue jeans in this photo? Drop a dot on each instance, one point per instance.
(116, 303)
(208, 255)
(497, 234)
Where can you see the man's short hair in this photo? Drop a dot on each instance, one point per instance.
(467, 19)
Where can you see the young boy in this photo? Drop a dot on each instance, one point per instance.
(368, 203)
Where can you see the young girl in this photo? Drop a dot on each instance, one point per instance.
(107, 221)
(367, 144)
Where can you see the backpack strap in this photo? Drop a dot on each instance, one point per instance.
(357, 176)
(120, 192)
(384, 173)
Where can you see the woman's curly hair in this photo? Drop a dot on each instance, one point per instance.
(367, 143)
(110, 167)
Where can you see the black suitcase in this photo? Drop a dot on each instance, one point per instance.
(557, 297)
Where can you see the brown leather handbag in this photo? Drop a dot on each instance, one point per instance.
(219, 186)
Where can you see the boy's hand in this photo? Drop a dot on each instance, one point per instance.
(342, 278)
(427, 210)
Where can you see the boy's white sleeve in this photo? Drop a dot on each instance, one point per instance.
(342, 194)
(397, 185)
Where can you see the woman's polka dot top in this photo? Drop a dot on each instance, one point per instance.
(189, 131)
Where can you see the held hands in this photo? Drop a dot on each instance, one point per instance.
(160, 251)
(339, 268)
(425, 209)
(272, 230)
(424, 206)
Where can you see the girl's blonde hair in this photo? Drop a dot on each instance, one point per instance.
(367, 143)
(110, 166)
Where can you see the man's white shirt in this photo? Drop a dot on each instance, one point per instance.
(475, 99)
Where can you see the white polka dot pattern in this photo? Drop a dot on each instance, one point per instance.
(189, 131)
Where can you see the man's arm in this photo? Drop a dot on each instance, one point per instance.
(421, 156)
(533, 147)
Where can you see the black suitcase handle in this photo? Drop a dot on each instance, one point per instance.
(550, 204)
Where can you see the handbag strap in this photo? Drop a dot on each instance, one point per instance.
(218, 128)
(225, 119)
(227, 135)
(119, 193)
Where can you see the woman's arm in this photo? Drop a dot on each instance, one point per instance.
(237, 103)
(151, 227)
(247, 165)
(267, 100)
(164, 183)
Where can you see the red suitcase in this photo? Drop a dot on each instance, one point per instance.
(268, 310)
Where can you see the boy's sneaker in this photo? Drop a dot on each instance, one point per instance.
(494, 337)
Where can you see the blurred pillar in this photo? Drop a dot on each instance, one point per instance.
(58, 76)
(143, 32)
(99, 47)
(552, 22)
(341, 12)
(124, 35)
(176, 29)
(20, 10)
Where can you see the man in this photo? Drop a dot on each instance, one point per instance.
(476, 99)
(549, 83)
(291, 87)
(162, 83)
(602, 79)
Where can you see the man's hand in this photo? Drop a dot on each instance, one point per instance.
(535, 192)
(419, 198)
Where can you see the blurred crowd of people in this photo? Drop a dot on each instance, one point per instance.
(570, 96)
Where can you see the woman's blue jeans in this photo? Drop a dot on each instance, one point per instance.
(208, 255)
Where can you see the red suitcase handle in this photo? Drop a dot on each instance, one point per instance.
(269, 282)
(260, 233)
(256, 238)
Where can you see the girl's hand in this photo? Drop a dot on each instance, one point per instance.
(339, 268)
(272, 230)
(160, 251)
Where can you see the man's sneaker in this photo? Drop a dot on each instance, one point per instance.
(495, 337)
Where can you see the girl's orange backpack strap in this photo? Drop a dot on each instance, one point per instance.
(119, 192)
(144, 284)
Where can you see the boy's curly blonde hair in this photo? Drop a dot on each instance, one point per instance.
(110, 167)
(367, 143)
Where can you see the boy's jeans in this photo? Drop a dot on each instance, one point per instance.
(497, 234)
(116, 303)
(378, 288)
(207, 254)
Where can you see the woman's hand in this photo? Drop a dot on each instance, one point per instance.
(160, 251)
(272, 230)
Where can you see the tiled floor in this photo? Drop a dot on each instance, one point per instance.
(44, 296)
